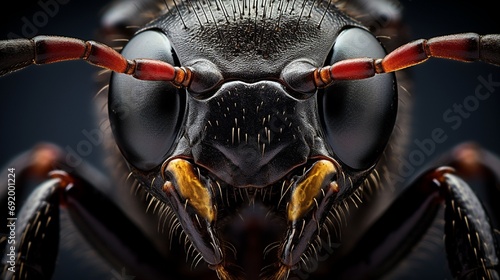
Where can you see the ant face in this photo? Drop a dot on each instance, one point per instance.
(207, 151)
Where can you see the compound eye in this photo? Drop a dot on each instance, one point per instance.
(358, 116)
(146, 116)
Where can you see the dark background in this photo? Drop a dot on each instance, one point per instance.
(53, 103)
